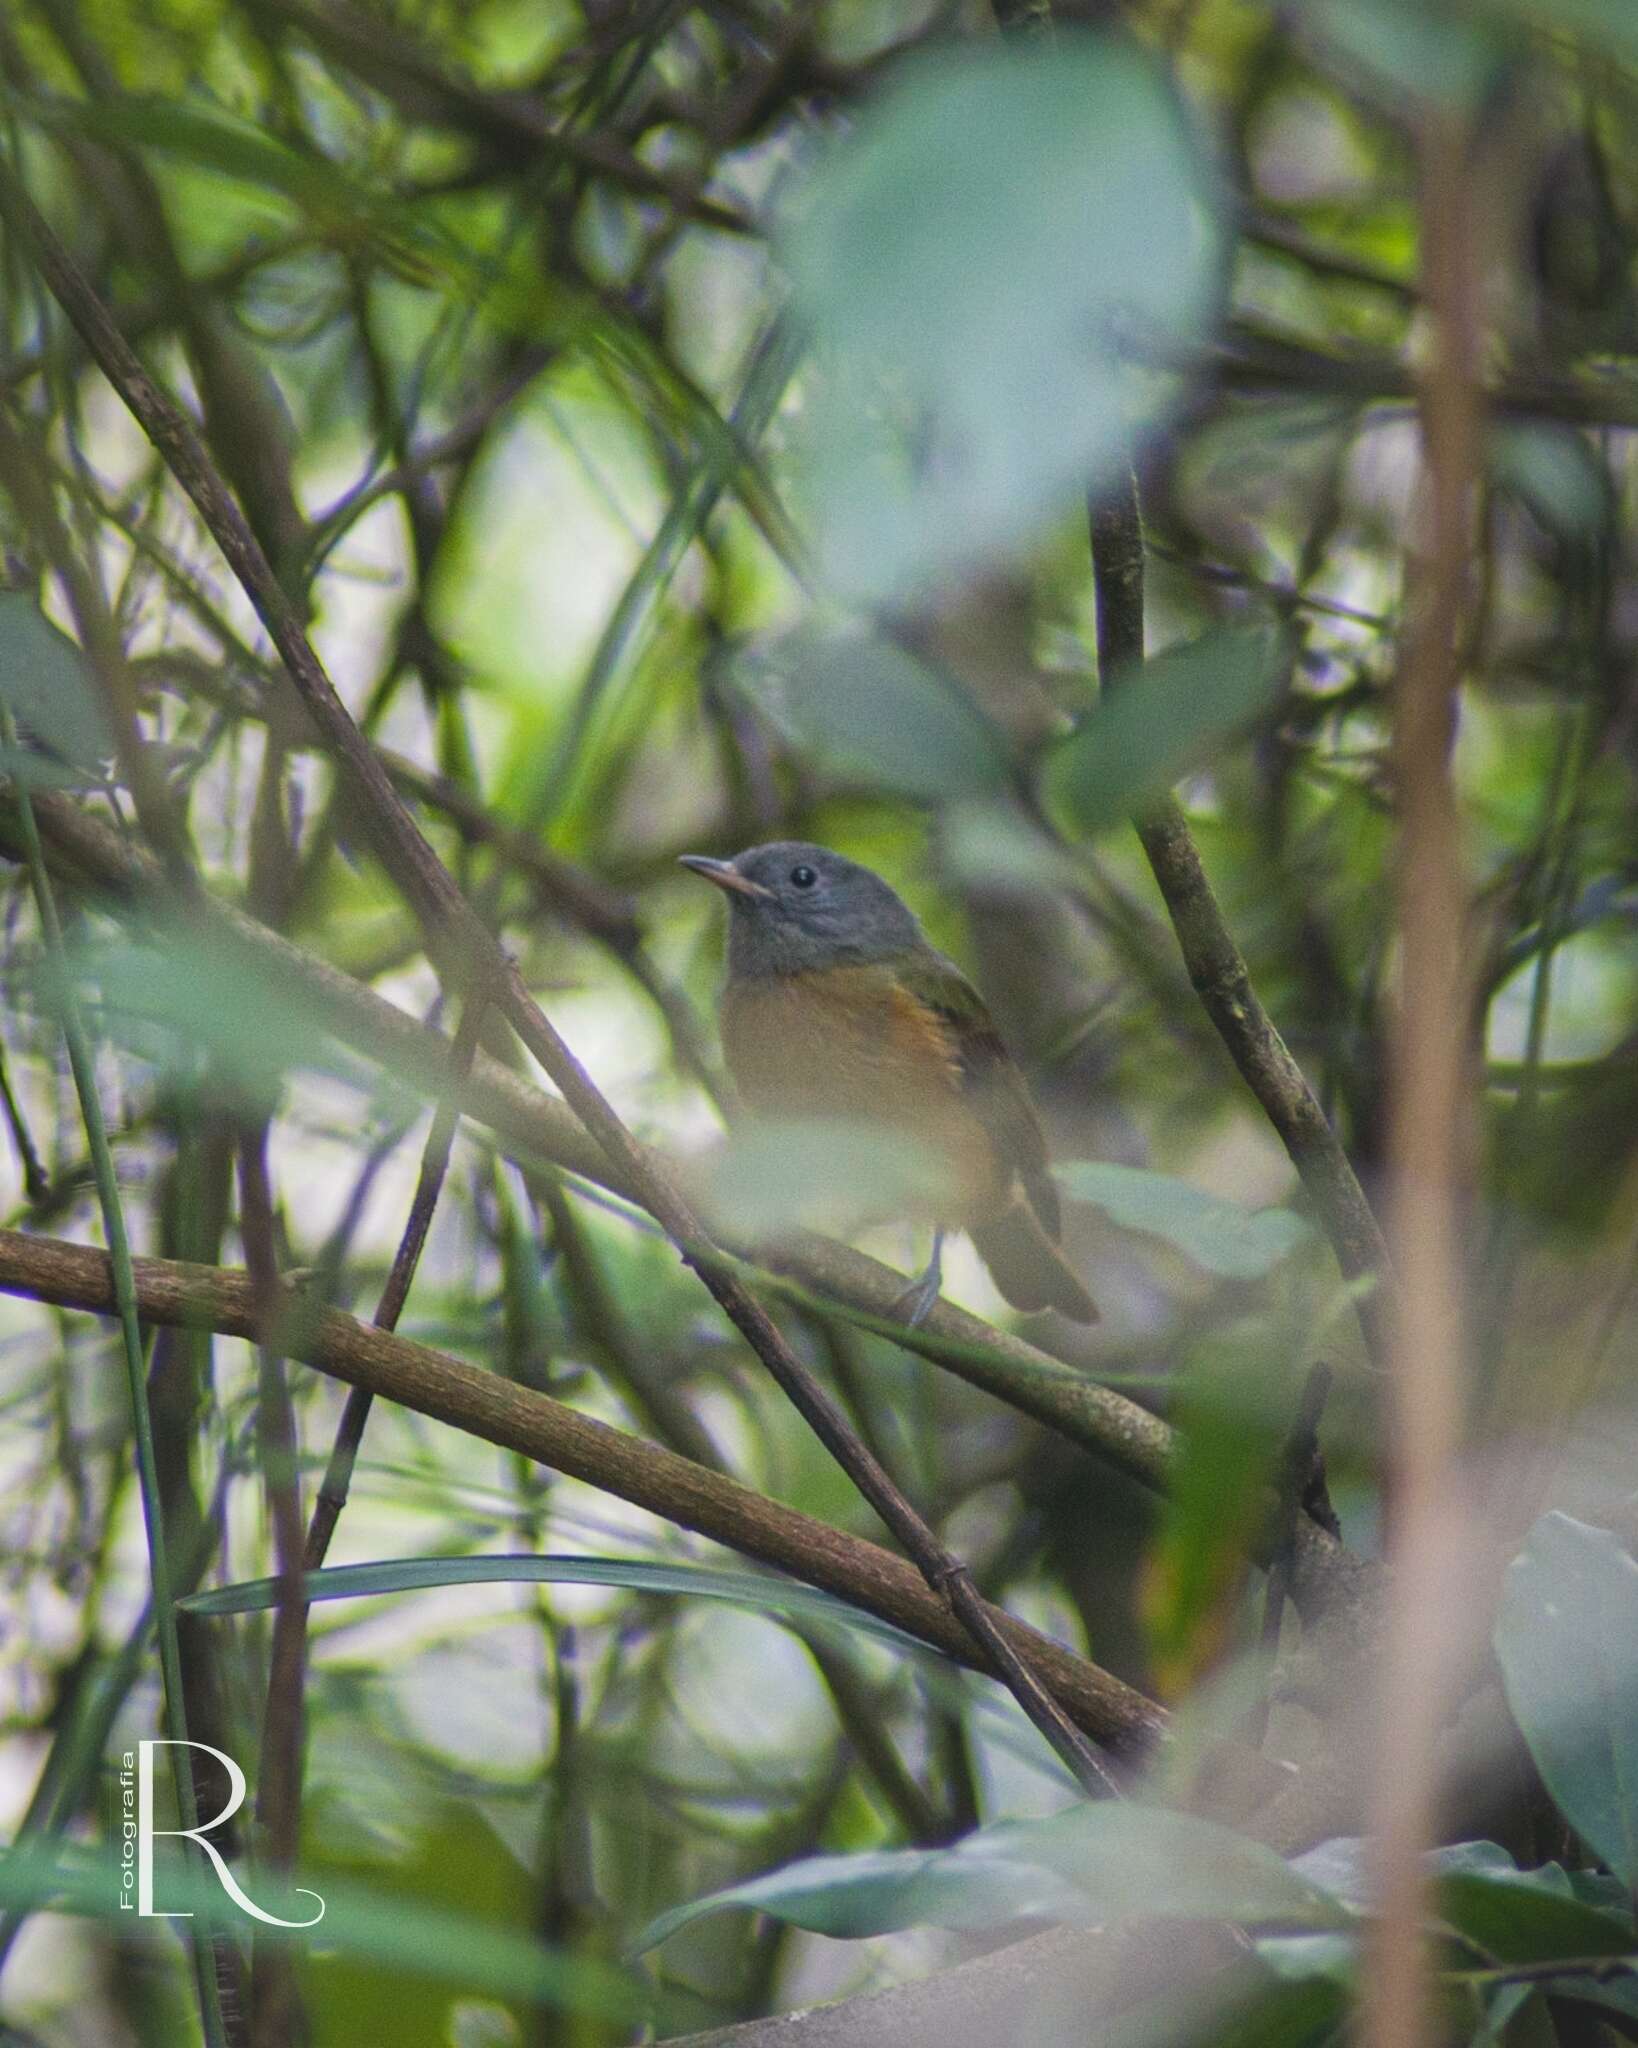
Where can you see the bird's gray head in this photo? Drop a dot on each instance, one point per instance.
(795, 907)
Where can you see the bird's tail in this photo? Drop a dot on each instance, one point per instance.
(1028, 1267)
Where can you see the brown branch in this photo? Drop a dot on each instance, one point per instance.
(1216, 966)
(1429, 1128)
(518, 1419)
(465, 949)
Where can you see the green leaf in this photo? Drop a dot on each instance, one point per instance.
(1425, 51)
(1172, 716)
(1230, 1422)
(872, 713)
(1611, 24)
(360, 1920)
(50, 689)
(1522, 1917)
(217, 142)
(1239, 1244)
(1090, 1864)
(848, 1897)
(991, 264)
(1567, 1640)
(191, 989)
(1554, 472)
(774, 1175)
(761, 1593)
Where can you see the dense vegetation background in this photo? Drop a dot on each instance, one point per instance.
(675, 427)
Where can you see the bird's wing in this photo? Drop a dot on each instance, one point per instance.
(990, 1078)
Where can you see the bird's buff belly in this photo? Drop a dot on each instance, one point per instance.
(849, 1048)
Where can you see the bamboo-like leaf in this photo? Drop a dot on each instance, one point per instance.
(759, 1592)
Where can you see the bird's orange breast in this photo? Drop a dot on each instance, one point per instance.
(849, 1043)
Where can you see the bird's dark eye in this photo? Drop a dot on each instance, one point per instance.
(803, 877)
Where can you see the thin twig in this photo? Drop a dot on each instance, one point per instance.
(36, 1182)
(1215, 963)
(1300, 1487)
(338, 1472)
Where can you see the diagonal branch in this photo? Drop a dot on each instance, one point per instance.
(170, 1291)
(338, 1473)
(1216, 966)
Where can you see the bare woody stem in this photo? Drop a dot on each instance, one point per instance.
(338, 1473)
(465, 950)
(1216, 966)
(1429, 1127)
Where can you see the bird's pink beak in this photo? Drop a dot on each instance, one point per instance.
(723, 873)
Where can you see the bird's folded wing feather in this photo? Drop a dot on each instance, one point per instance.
(989, 1076)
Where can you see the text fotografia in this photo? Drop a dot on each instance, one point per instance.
(137, 1832)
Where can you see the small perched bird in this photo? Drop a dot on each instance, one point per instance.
(837, 1007)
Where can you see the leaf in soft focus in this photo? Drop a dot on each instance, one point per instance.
(1237, 1243)
(1523, 1917)
(881, 1891)
(995, 266)
(1230, 1425)
(392, 1929)
(217, 142)
(1567, 1639)
(1418, 50)
(1554, 472)
(760, 1592)
(193, 994)
(990, 847)
(47, 685)
(1157, 725)
(1128, 1860)
(872, 713)
(775, 1175)
(1093, 1864)
(1610, 23)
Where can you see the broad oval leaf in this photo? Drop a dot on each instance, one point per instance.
(1567, 1640)
(867, 709)
(1092, 1863)
(776, 1175)
(1000, 267)
(1522, 1917)
(49, 689)
(881, 1891)
(1239, 1244)
(1163, 721)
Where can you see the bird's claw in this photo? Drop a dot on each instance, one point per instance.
(915, 1304)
